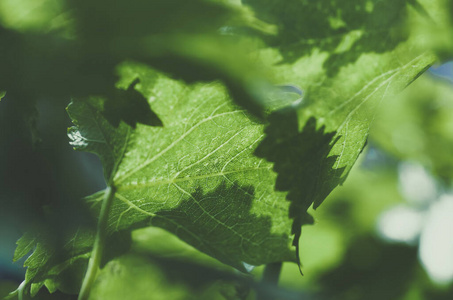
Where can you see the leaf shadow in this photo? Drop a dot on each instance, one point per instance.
(376, 27)
(301, 159)
(131, 107)
(236, 236)
(45, 66)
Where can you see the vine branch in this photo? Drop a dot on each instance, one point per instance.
(98, 247)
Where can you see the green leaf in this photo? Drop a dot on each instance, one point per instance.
(135, 276)
(61, 263)
(302, 162)
(345, 30)
(162, 244)
(6, 287)
(93, 133)
(25, 244)
(53, 265)
(45, 15)
(206, 152)
(131, 107)
(142, 18)
(436, 31)
(178, 37)
(347, 57)
(221, 181)
(198, 179)
(420, 124)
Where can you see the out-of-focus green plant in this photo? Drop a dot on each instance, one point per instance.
(417, 125)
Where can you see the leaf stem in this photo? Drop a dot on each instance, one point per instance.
(269, 280)
(271, 273)
(98, 247)
(20, 290)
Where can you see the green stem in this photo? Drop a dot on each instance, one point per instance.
(20, 290)
(272, 273)
(270, 278)
(98, 247)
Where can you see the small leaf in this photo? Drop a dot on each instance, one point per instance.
(93, 133)
(25, 244)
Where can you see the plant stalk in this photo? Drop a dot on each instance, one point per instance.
(269, 281)
(98, 247)
(271, 273)
(20, 290)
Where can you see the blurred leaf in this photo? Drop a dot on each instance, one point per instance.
(348, 212)
(137, 276)
(371, 270)
(141, 18)
(421, 125)
(6, 287)
(25, 244)
(436, 30)
(41, 63)
(161, 244)
(34, 15)
(356, 206)
(48, 261)
(345, 29)
(61, 263)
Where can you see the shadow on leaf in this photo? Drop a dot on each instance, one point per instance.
(366, 26)
(301, 160)
(131, 107)
(220, 224)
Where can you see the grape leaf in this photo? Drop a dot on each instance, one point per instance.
(221, 181)
(210, 155)
(302, 162)
(94, 134)
(162, 244)
(45, 63)
(416, 134)
(357, 54)
(60, 262)
(260, 229)
(345, 30)
(46, 15)
(201, 163)
(145, 277)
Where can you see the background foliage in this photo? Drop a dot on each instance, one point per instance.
(220, 123)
